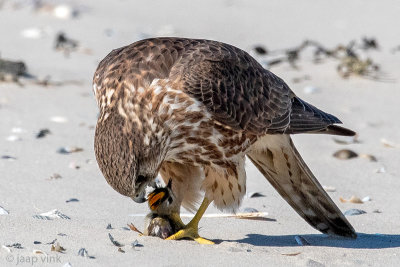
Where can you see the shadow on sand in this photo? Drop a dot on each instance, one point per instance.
(363, 241)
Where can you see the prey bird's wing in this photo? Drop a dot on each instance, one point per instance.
(278, 160)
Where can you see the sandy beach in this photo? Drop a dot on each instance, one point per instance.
(57, 169)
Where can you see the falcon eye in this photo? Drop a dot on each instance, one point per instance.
(140, 179)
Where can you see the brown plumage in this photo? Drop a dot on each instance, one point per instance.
(191, 110)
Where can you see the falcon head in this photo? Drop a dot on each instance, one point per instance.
(128, 162)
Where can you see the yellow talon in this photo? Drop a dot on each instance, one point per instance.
(191, 229)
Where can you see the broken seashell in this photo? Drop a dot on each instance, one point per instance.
(353, 199)
(10, 158)
(310, 89)
(55, 176)
(329, 188)
(345, 154)
(121, 250)
(33, 33)
(366, 199)
(15, 245)
(3, 211)
(13, 138)
(58, 119)
(115, 242)
(53, 214)
(43, 133)
(346, 140)
(38, 251)
(57, 248)
(352, 212)
(389, 144)
(261, 50)
(369, 157)
(73, 165)
(255, 194)
(68, 150)
(17, 130)
(65, 12)
(6, 248)
(72, 200)
(84, 253)
(381, 170)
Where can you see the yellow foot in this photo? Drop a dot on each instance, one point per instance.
(190, 232)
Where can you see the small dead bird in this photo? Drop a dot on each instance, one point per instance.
(159, 221)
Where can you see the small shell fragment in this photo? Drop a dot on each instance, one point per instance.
(65, 12)
(381, 170)
(8, 157)
(6, 248)
(58, 119)
(43, 133)
(346, 140)
(109, 226)
(345, 154)
(55, 176)
(68, 150)
(57, 248)
(329, 188)
(389, 144)
(261, 50)
(255, 194)
(72, 200)
(115, 242)
(301, 240)
(121, 250)
(366, 199)
(15, 245)
(84, 253)
(13, 138)
(135, 244)
(3, 211)
(352, 212)
(38, 251)
(310, 89)
(53, 214)
(370, 157)
(353, 199)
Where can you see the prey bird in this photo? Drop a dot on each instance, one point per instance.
(191, 110)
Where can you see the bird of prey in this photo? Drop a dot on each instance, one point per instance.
(191, 110)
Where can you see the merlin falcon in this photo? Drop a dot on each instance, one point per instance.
(191, 110)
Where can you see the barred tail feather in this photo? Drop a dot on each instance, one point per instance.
(278, 160)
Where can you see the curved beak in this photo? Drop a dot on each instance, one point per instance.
(142, 190)
(140, 196)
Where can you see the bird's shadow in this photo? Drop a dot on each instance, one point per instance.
(363, 241)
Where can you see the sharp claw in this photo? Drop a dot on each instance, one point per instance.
(204, 241)
(190, 233)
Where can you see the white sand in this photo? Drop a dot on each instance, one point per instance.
(369, 107)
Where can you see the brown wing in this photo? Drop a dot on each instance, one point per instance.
(241, 94)
(236, 90)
